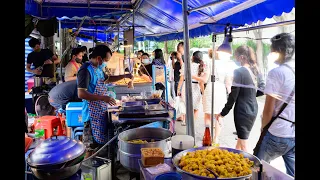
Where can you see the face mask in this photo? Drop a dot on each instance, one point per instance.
(103, 65)
(37, 50)
(78, 60)
(146, 61)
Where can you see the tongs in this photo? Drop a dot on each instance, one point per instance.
(216, 176)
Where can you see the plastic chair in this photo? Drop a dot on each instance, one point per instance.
(49, 123)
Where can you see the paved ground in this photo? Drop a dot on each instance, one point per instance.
(227, 138)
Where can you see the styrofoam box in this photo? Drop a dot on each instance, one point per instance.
(74, 114)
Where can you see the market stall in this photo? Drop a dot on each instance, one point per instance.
(140, 147)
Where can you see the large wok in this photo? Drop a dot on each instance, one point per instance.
(56, 158)
(177, 157)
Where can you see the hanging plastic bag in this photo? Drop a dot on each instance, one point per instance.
(179, 106)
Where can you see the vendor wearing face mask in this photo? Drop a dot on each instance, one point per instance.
(146, 70)
(74, 64)
(92, 89)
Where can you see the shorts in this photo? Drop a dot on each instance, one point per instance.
(89, 142)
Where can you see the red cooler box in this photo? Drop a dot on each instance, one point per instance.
(73, 114)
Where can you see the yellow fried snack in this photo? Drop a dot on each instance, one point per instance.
(222, 162)
(138, 141)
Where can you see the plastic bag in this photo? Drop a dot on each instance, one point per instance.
(160, 168)
(179, 106)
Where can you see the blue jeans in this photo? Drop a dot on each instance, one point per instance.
(273, 147)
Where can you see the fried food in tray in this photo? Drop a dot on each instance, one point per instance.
(125, 81)
(222, 162)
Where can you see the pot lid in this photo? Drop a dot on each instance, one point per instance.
(56, 150)
(182, 142)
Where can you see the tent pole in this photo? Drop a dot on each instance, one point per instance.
(187, 73)
(133, 23)
(118, 38)
(213, 79)
(60, 39)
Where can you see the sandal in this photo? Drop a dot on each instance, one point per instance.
(183, 123)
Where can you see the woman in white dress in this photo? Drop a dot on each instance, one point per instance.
(220, 94)
(197, 69)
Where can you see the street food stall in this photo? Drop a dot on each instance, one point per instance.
(139, 135)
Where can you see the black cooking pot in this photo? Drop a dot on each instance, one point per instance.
(58, 157)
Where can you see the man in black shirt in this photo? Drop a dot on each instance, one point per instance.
(42, 59)
(64, 93)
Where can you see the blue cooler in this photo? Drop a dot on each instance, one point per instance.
(73, 114)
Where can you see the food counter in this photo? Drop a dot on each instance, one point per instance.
(140, 85)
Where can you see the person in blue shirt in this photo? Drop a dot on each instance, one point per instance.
(92, 89)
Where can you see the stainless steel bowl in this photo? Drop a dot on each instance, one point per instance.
(39, 81)
(177, 157)
(130, 153)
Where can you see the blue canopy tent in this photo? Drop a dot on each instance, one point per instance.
(159, 20)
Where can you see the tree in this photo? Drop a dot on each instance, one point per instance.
(259, 47)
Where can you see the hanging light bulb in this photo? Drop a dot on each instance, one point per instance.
(225, 49)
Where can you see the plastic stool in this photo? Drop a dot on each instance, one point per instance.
(76, 130)
(77, 134)
(48, 123)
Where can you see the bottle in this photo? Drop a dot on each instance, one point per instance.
(206, 141)
(39, 132)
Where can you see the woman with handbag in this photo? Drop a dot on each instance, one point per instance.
(243, 94)
(278, 121)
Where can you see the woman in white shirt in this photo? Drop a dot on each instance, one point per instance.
(197, 69)
(278, 127)
(220, 94)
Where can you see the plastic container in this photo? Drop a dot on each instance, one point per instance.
(152, 156)
(74, 114)
(169, 176)
(39, 131)
(159, 169)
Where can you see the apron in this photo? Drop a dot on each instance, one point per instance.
(97, 111)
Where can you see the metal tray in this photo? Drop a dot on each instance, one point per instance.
(177, 157)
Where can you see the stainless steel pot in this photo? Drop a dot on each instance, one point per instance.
(56, 158)
(130, 153)
(39, 81)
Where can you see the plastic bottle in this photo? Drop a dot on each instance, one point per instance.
(206, 141)
(39, 132)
